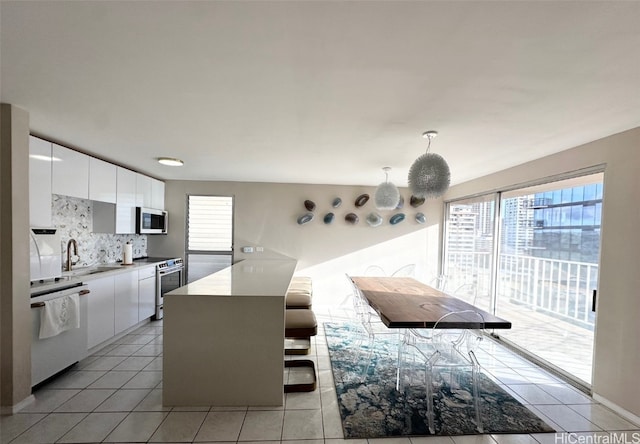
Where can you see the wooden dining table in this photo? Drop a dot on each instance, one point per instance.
(403, 302)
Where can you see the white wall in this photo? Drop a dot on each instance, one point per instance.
(266, 215)
(617, 336)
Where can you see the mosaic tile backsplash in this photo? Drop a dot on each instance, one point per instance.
(74, 218)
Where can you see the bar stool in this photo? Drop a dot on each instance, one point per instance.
(300, 325)
(299, 293)
(296, 300)
(301, 281)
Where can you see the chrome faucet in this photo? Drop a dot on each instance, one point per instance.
(74, 244)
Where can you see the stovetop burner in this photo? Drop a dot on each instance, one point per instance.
(155, 259)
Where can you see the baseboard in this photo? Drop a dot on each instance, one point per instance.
(113, 339)
(13, 409)
(619, 410)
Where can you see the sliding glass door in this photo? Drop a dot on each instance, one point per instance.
(548, 270)
(539, 269)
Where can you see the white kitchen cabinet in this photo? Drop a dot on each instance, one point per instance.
(121, 217)
(100, 311)
(126, 300)
(146, 292)
(70, 172)
(157, 194)
(143, 191)
(39, 182)
(102, 181)
(126, 201)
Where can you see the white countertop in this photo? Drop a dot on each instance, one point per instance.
(70, 279)
(250, 277)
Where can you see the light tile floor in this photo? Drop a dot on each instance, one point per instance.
(115, 396)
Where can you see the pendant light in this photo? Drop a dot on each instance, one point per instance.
(429, 176)
(387, 194)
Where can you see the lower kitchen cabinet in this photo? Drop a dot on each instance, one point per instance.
(100, 311)
(146, 292)
(126, 300)
(118, 302)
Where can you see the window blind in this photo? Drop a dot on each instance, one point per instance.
(210, 223)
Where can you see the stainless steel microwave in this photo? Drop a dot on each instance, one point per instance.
(150, 221)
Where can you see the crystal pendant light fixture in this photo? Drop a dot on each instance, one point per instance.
(387, 194)
(429, 176)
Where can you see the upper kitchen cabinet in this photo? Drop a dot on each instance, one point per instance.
(70, 172)
(39, 182)
(149, 192)
(126, 202)
(157, 194)
(143, 191)
(102, 181)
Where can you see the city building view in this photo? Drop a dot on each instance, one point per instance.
(546, 269)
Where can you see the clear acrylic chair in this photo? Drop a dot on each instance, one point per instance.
(371, 323)
(467, 292)
(443, 349)
(406, 271)
(374, 270)
(439, 282)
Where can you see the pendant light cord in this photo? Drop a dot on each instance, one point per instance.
(429, 135)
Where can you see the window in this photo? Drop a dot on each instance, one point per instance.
(469, 248)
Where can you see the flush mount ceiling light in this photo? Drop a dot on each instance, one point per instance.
(387, 195)
(429, 176)
(170, 161)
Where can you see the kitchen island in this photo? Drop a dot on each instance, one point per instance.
(224, 336)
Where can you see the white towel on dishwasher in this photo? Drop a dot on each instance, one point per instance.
(59, 315)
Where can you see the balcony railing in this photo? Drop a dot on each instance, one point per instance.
(561, 289)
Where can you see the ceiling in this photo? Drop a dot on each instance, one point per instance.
(321, 91)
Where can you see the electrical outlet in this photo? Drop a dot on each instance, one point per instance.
(259, 249)
(247, 249)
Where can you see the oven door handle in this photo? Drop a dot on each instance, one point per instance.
(174, 270)
(41, 304)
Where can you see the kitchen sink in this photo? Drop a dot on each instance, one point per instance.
(84, 271)
(102, 269)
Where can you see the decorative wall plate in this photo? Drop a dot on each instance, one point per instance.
(308, 217)
(416, 201)
(328, 218)
(361, 200)
(352, 218)
(310, 205)
(374, 219)
(336, 202)
(420, 218)
(396, 218)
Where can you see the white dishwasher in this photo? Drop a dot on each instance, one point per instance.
(52, 355)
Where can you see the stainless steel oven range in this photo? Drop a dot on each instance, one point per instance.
(169, 276)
